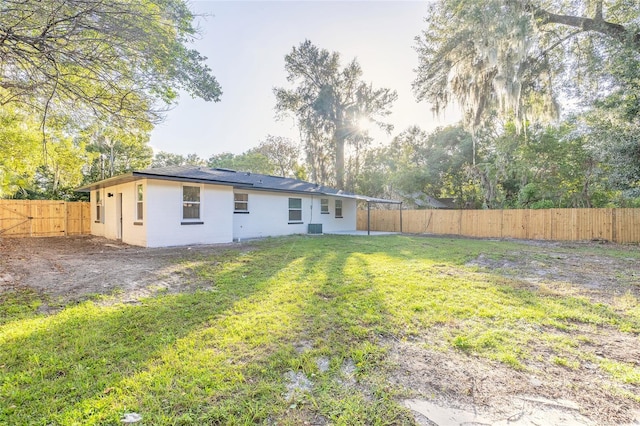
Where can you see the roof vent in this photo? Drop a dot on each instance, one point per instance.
(248, 173)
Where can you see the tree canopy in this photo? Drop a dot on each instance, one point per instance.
(83, 81)
(329, 103)
(115, 58)
(519, 57)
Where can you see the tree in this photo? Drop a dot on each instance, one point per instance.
(119, 58)
(20, 145)
(282, 153)
(433, 164)
(167, 159)
(612, 131)
(517, 56)
(115, 151)
(27, 170)
(249, 161)
(329, 103)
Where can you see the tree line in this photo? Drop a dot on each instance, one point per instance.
(549, 93)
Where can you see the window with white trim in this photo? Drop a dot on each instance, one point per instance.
(190, 202)
(295, 210)
(241, 203)
(99, 210)
(324, 206)
(338, 208)
(139, 202)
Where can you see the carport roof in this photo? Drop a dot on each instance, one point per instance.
(237, 179)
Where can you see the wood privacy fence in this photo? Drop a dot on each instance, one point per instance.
(617, 225)
(44, 218)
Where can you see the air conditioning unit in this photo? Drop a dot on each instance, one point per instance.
(315, 228)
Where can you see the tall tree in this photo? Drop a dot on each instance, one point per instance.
(329, 102)
(517, 56)
(20, 148)
(166, 159)
(281, 152)
(251, 160)
(117, 58)
(116, 150)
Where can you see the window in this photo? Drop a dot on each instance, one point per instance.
(139, 200)
(241, 203)
(99, 211)
(191, 202)
(338, 208)
(324, 206)
(295, 210)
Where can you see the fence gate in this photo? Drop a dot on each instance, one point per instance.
(42, 218)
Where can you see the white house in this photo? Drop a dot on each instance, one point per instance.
(196, 205)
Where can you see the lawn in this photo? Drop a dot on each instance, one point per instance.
(299, 329)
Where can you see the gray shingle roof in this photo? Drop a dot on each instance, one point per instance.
(237, 179)
(234, 178)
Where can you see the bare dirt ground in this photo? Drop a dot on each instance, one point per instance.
(452, 388)
(445, 387)
(78, 268)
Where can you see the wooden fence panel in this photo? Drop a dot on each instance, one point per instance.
(515, 224)
(414, 221)
(447, 222)
(15, 219)
(627, 225)
(562, 225)
(43, 218)
(78, 218)
(618, 225)
(48, 219)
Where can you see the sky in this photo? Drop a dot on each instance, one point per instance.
(246, 42)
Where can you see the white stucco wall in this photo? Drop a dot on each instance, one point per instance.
(269, 215)
(329, 221)
(165, 225)
(133, 231)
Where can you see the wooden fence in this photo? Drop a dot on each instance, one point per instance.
(617, 225)
(44, 218)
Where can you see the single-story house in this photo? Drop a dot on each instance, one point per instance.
(183, 205)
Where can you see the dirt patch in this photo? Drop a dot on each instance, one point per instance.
(470, 390)
(571, 269)
(78, 268)
(451, 387)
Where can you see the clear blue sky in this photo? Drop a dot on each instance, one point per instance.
(245, 43)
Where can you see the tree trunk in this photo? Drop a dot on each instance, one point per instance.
(338, 140)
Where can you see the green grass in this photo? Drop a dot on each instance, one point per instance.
(322, 306)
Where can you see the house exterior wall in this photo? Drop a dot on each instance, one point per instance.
(163, 224)
(121, 203)
(268, 215)
(166, 226)
(329, 221)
